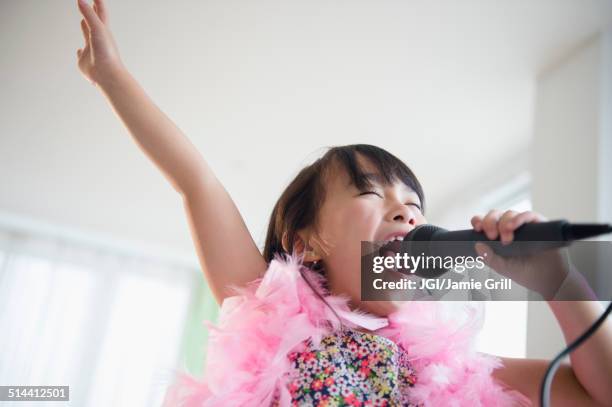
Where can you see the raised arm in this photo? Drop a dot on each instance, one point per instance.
(226, 250)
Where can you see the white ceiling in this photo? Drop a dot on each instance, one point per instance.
(260, 87)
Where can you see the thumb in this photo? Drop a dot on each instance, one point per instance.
(85, 30)
(93, 21)
(489, 257)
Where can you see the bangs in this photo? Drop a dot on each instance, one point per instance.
(390, 169)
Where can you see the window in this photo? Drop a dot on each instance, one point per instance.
(504, 332)
(108, 325)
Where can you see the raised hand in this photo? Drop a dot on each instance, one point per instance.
(99, 59)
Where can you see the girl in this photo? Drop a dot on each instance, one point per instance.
(297, 331)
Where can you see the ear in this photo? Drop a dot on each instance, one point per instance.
(310, 253)
(299, 246)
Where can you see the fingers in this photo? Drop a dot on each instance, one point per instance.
(528, 217)
(495, 223)
(476, 223)
(520, 219)
(100, 9)
(91, 18)
(506, 226)
(489, 224)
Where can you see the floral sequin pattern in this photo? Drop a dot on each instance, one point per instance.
(351, 368)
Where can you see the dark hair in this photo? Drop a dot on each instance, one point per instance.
(299, 204)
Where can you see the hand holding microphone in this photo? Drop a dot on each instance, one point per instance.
(519, 246)
(543, 272)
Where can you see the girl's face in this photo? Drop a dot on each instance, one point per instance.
(349, 216)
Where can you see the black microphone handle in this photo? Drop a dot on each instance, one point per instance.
(541, 236)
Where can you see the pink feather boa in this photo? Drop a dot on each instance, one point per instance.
(273, 316)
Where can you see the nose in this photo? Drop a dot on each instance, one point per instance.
(403, 214)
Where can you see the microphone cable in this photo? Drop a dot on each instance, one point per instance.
(554, 365)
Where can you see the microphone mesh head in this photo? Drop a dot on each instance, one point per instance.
(423, 233)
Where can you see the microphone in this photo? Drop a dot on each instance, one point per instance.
(528, 239)
(542, 236)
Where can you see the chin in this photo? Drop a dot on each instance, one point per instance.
(380, 308)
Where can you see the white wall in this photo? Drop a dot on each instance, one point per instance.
(259, 86)
(571, 157)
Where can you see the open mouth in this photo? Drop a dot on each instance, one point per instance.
(391, 248)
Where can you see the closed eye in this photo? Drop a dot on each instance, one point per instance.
(370, 192)
(376, 193)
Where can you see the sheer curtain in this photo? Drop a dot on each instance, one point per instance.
(496, 337)
(111, 326)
